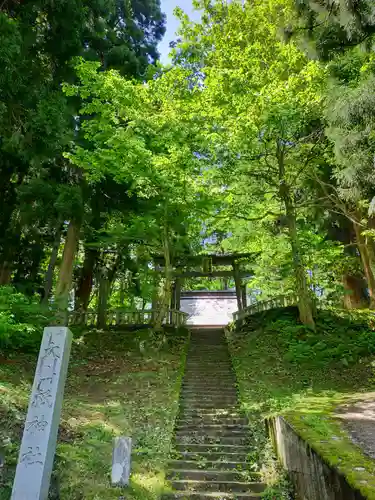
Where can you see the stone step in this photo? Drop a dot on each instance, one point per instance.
(211, 428)
(205, 360)
(221, 377)
(224, 420)
(225, 486)
(209, 377)
(207, 396)
(209, 464)
(225, 457)
(211, 475)
(191, 495)
(188, 411)
(208, 392)
(199, 406)
(213, 401)
(187, 439)
(204, 365)
(196, 372)
(210, 351)
(214, 384)
(222, 448)
(217, 384)
(209, 388)
(208, 343)
(217, 343)
(208, 413)
(197, 375)
(201, 401)
(189, 390)
(218, 337)
(208, 347)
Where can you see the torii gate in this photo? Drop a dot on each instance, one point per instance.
(183, 265)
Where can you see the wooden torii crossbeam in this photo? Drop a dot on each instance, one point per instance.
(182, 269)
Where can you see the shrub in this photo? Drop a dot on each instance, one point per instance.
(340, 336)
(22, 320)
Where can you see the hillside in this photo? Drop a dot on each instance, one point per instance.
(311, 378)
(118, 384)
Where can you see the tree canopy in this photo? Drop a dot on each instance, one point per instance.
(257, 138)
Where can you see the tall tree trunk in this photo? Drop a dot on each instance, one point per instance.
(106, 279)
(165, 299)
(5, 273)
(104, 287)
(10, 230)
(64, 283)
(155, 295)
(86, 279)
(366, 262)
(122, 292)
(48, 280)
(304, 299)
(238, 285)
(354, 296)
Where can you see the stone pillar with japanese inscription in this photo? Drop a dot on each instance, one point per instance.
(38, 445)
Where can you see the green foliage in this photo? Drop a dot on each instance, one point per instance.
(21, 321)
(245, 136)
(113, 388)
(309, 393)
(38, 122)
(281, 489)
(334, 26)
(340, 337)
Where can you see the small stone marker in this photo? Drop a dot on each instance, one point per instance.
(35, 461)
(121, 460)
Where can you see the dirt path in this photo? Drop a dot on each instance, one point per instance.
(359, 420)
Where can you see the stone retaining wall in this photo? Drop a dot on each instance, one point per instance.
(312, 477)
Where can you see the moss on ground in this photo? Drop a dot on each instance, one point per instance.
(118, 384)
(284, 369)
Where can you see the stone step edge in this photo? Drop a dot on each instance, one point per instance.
(186, 495)
(214, 446)
(223, 472)
(212, 427)
(209, 456)
(196, 482)
(214, 462)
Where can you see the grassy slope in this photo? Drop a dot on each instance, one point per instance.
(306, 393)
(118, 384)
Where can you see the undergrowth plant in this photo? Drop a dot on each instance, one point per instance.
(340, 336)
(22, 320)
(309, 377)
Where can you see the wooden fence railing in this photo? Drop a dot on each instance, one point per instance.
(265, 305)
(127, 318)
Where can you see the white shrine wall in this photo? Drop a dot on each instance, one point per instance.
(209, 308)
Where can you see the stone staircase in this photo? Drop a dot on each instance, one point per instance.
(211, 435)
